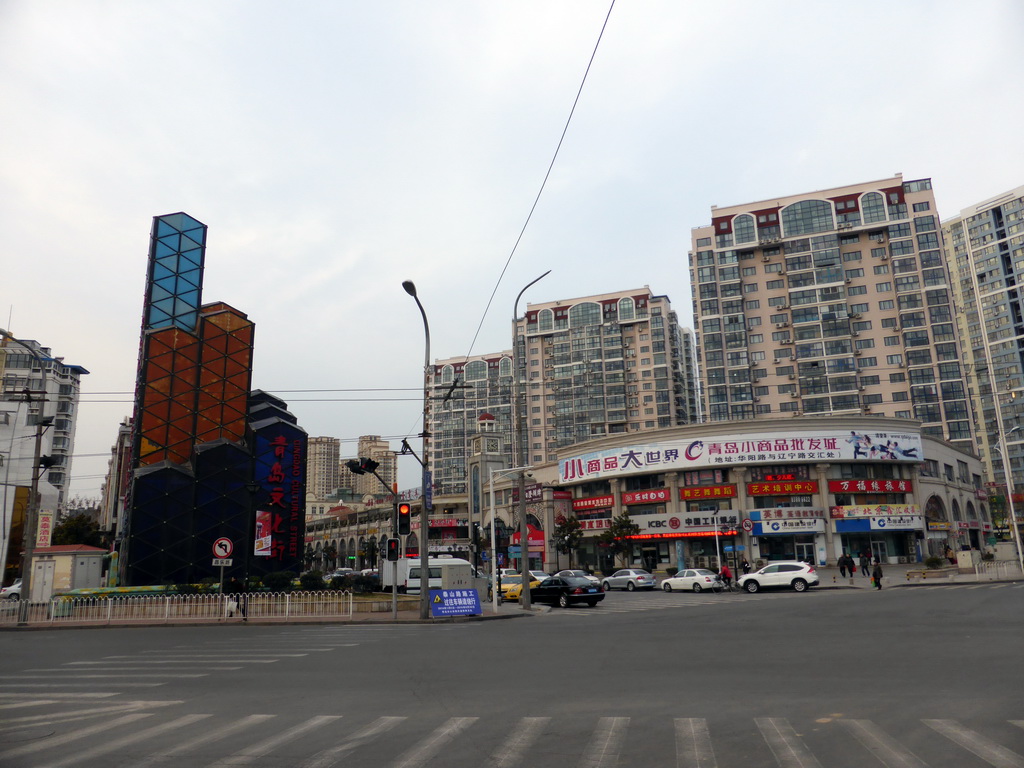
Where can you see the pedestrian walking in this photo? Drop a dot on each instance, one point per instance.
(842, 566)
(745, 566)
(950, 556)
(865, 562)
(876, 576)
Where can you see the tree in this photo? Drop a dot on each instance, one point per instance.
(78, 529)
(616, 538)
(567, 535)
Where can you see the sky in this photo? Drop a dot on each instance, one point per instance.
(335, 149)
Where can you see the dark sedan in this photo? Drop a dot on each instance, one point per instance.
(563, 591)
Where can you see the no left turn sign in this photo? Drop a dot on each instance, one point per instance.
(223, 547)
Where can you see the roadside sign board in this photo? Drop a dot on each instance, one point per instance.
(223, 547)
(222, 561)
(454, 602)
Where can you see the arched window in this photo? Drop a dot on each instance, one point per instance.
(807, 217)
(872, 206)
(743, 229)
(587, 313)
(627, 309)
(956, 511)
(935, 509)
(505, 366)
(546, 321)
(447, 374)
(476, 370)
(972, 514)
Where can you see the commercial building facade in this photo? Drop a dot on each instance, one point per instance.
(835, 301)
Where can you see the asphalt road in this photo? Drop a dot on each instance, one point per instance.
(902, 678)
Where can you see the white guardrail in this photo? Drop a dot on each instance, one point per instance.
(160, 609)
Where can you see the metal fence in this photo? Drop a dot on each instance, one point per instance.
(166, 609)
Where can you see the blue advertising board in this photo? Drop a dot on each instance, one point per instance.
(454, 602)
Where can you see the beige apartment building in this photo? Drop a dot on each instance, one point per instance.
(322, 479)
(836, 301)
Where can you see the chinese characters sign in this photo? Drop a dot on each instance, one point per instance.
(708, 492)
(44, 529)
(645, 497)
(832, 445)
(870, 486)
(280, 469)
(454, 602)
(787, 488)
(875, 510)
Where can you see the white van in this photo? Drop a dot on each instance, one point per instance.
(409, 573)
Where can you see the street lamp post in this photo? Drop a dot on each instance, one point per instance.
(495, 584)
(410, 288)
(518, 450)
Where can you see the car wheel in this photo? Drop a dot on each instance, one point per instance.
(630, 586)
(563, 601)
(752, 586)
(607, 587)
(667, 587)
(697, 588)
(591, 603)
(799, 585)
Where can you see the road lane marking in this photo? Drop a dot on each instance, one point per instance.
(510, 753)
(113, 684)
(782, 740)
(65, 738)
(693, 744)
(178, 661)
(115, 744)
(256, 751)
(62, 696)
(215, 735)
(64, 675)
(604, 746)
(422, 752)
(992, 753)
(889, 751)
(365, 735)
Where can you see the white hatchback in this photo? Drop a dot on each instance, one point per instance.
(780, 574)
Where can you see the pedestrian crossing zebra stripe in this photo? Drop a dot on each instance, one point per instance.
(786, 746)
(888, 751)
(992, 753)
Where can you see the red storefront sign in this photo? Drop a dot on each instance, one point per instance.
(782, 489)
(645, 497)
(870, 486)
(708, 492)
(594, 502)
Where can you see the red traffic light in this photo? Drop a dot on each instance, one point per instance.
(404, 519)
(393, 549)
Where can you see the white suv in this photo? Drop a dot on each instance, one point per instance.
(784, 573)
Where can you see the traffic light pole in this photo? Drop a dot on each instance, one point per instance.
(366, 466)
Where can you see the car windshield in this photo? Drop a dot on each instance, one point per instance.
(511, 579)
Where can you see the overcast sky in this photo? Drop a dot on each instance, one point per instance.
(336, 148)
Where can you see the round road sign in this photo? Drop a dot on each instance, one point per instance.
(748, 525)
(223, 547)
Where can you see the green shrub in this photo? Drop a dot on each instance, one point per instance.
(279, 581)
(187, 589)
(312, 581)
(934, 562)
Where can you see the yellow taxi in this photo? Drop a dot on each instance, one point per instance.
(512, 587)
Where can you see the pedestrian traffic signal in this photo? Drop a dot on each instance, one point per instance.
(404, 519)
(394, 549)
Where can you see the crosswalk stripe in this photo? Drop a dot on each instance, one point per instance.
(65, 738)
(111, 683)
(18, 723)
(693, 744)
(510, 753)
(992, 753)
(212, 735)
(365, 735)
(256, 751)
(115, 744)
(65, 676)
(603, 749)
(425, 750)
(882, 745)
(782, 740)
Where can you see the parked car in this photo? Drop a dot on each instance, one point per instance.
(780, 574)
(629, 579)
(691, 579)
(13, 592)
(512, 587)
(540, 575)
(579, 575)
(564, 591)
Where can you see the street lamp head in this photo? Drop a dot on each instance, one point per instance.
(410, 287)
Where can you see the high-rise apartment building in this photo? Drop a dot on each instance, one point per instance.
(596, 365)
(322, 478)
(836, 301)
(985, 243)
(371, 447)
(35, 386)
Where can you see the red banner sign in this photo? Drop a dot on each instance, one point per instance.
(708, 492)
(594, 502)
(782, 489)
(646, 497)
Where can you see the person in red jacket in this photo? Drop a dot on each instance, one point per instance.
(725, 574)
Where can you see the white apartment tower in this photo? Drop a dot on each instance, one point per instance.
(985, 245)
(322, 478)
(835, 301)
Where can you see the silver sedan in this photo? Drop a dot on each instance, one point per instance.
(629, 579)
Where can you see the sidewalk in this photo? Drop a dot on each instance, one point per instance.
(908, 576)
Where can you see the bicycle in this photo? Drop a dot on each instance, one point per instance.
(718, 586)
